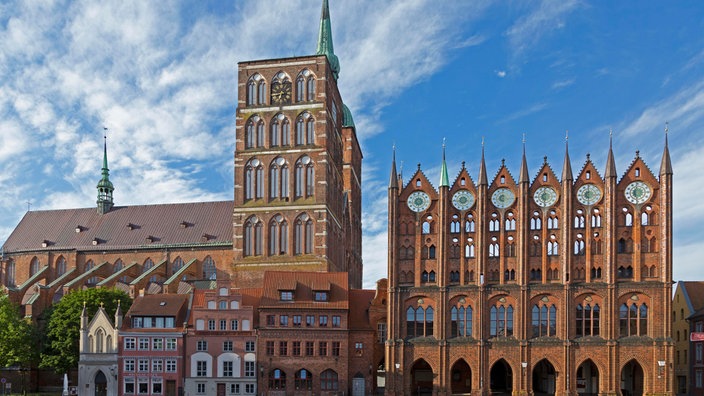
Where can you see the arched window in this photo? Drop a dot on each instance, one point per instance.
(261, 92)
(328, 380)
(304, 177)
(10, 273)
(494, 247)
(469, 249)
(455, 225)
(579, 219)
(587, 320)
(633, 320)
(277, 379)
(461, 318)
(553, 247)
(61, 266)
(535, 222)
(311, 87)
(303, 380)
(469, 223)
(278, 236)
(303, 235)
(628, 218)
(93, 279)
(176, 265)
(494, 222)
(544, 320)
(275, 130)
(278, 178)
(285, 132)
(596, 219)
(305, 129)
(553, 222)
(419, 322)
(501, 321)
(510, 222)
(252, 237)
(256, 89)
(253, 179)
(34, 266)
(579, 246)
(300, 88)
(209, 270)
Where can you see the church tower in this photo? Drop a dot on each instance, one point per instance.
(297, 168)
(105, 187)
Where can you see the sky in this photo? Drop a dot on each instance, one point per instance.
(161, 76)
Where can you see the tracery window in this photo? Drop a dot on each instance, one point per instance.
(596, 218)
(633, 319)
(510, 222)
(624, 272)
(278, 178)
(256, 90)
(304, 177)
(252, 237)
(253, 179)
(493, 247)
(579, 219)
(461, 321)
(553, 222)
(469, 248)
(544, 320)
(279, 131)
(176, 265)
(579, 245)
(587, 320)
(501, 320)
(34, 266)
(305, 129)
(303, 380)
(535, 222)
(277, 379)
(89, 266)
(419, 322)
(303, 235)
(10, 273)
(455, 224)
(278, 236)
(469, 223)
(494, 222)
(209, 270)
(553, 246)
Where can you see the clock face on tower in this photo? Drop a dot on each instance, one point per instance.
(463, 200)
(281, 93)
(545, 197)
(588, 194)
(418, 201)
(637, 192)
(502, 198)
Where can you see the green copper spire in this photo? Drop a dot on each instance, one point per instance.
(444, 180)
(105, 187)
(325, 40)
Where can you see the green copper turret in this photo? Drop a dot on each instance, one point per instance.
(105, 187)
(325, 41)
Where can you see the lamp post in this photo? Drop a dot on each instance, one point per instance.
(524, 380)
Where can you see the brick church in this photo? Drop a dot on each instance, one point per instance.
(537, 285)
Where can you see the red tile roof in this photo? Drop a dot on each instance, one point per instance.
(198, 223)
(695, 293)
(304, 284)
(360, 301)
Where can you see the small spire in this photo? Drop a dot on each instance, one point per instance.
(482, 168)
(393, 180)
(567, 166)
(666, 164)
(444, 179)
(105, 187)
(610, 163)
(325, 40)
(523, 177)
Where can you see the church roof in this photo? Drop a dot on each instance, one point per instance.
(138, 226)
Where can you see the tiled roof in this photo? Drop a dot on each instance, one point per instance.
(303, 285)
(159, 305)
(360, 300)
(198, 223)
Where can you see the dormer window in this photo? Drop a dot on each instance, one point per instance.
(321, 296)
(79, 229)
(286, 295)
(96, 241)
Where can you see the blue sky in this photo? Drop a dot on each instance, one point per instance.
(162, 77)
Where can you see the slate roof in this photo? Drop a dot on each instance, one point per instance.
(124, 227)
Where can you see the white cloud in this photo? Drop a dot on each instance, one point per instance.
(528, 30)
(563, 83)
(500, 73)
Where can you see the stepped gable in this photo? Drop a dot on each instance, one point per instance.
(124, 227)
(424, 182)
(636, 161)
(537, 181)
(588, 165)
(503, 169)
(469, 182)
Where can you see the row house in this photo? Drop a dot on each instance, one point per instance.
(221, 343)
(151, 344)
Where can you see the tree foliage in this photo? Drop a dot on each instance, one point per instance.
(64, 324)
(18, 340)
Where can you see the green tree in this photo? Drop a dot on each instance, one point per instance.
(18, 340)
(64, 324)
